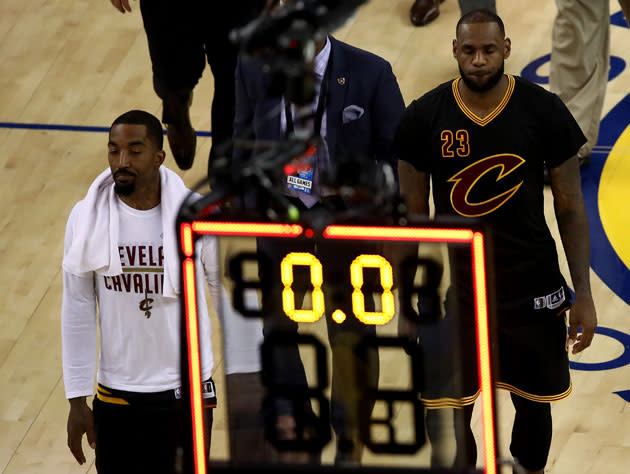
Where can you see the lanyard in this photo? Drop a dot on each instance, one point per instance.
(321, 104)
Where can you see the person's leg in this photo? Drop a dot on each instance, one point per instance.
(287, 364)
(115, 444)
(292, 418)
(222, 60)
(466, 454)
(540, 378)
(444, 424)
(247, 441)
(164, 433)
(351, 371)
(441, 425)
(580, 62)
(209, 421)
(177, 58)
(531, 433)
(450, 379)
(222, 53)
(466, 6)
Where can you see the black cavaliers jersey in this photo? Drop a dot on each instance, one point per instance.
(491, 169)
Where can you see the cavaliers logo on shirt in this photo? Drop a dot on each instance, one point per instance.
(146, 306)
(466, 180)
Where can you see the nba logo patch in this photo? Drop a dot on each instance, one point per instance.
(178, 393)
(539, 303)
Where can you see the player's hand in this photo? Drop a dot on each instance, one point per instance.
(80, 421)
(121, 5)
(582, 314)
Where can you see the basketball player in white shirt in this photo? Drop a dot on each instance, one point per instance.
(137, 422)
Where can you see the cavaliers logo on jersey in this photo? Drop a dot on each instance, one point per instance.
(146, 306)
(466, 180)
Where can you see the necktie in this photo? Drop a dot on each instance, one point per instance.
(320, 161)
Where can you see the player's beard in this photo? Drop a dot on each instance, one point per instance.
(492, 81)
(123, 189)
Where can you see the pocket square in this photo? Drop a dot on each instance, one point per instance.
(352, 112)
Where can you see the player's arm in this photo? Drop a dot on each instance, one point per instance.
(121, 5)
(573, 225)
(78, 350)
(414, 188)
(79, 346)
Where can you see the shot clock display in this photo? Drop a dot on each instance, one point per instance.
(361, 262)
(292, 262)
(359, 279)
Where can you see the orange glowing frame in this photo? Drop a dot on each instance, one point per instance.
(420, 234)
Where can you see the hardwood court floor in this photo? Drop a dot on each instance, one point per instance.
(80, 62)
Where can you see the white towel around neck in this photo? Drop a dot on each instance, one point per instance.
(94, 246)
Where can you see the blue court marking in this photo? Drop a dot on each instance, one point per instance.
(70, 128)
(604, 259)
(622, 360)
(617, 65)
(618, 19)
(530, 72)
(625, 394)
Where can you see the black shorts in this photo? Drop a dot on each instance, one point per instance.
(532, 361)
(183, 34)
(144, 432)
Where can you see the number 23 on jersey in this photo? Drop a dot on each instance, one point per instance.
(455, 143)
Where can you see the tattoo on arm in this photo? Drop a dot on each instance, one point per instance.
(572, 221)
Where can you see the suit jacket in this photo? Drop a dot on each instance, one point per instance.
(357, 78)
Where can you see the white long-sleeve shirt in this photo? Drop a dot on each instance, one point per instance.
(139, 328)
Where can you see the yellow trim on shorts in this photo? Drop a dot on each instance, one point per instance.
(533, 397)
(102, 395)
(488, 118)
(437, 403)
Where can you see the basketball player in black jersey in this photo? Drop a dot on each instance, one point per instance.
(484, 139)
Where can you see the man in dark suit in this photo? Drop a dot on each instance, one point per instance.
(358, 81)
(357, 107)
